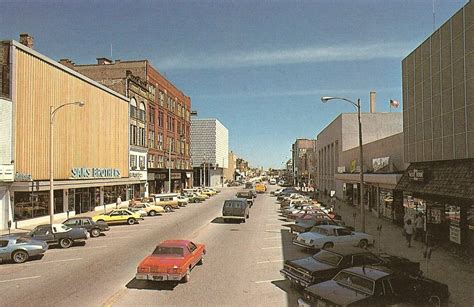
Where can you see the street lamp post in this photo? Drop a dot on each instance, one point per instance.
(52, 112)
(361, 155)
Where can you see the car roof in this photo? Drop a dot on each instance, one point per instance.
(175, 243)
(331, 227)
(347, 250)
(237, 198)
(371, 272)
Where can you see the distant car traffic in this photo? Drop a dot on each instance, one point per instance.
(328, 236)
(248, 195)
(94, 228)
(20, 249)
(171, 260)
(58, 234)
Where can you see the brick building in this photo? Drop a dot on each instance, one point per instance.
(159, 122)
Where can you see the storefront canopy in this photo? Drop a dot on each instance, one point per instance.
(451, 178)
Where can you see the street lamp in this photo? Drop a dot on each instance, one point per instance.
(325, 99)
(52, 112)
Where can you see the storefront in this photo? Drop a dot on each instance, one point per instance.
(443, 193)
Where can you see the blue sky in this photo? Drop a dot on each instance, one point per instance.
(257, 66)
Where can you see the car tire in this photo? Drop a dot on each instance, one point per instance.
(65, 242)
(152, 213)
(363, 243)
(201, 261)
(95, 232)
(186, 278)
(243, 220)
(19, 256)
(328, 245)
(168, 208)
(248, 215)
(131, 221)
(100, 221)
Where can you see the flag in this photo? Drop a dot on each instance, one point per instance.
(394, 103)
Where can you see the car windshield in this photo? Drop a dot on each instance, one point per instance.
(168, 251)
(355, 282)
(328, 258)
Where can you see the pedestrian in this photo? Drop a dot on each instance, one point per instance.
(419, 227)
(118, 202)
(408, 229)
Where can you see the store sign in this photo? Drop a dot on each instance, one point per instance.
(7, 173)
(341, 169)
(380, 163)
(23, 177)
(176, 176)
(416, 175)
(161, 176)
(136, 175)
(455, 234)
(90, 173)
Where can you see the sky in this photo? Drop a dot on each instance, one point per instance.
(259, 67)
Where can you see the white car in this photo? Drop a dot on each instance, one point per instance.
(327, 236)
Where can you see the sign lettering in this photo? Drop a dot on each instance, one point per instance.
(90, 173)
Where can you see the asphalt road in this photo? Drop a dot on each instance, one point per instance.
(241, 266)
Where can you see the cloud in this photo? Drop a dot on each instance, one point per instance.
(287, 56)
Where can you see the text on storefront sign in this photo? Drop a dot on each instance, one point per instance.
(87, 173)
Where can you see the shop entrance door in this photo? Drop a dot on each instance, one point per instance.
(83, 201)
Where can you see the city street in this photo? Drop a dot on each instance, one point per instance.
(241, 266)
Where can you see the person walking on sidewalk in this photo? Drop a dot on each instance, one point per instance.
(419, 225)
(409, 229)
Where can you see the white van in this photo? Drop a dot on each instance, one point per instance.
(167, 201)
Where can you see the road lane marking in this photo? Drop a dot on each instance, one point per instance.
(265, 281)
(114, 297)
(74, 249)
(269, 261)
(273, 247)
(53, 261)
(18, 279)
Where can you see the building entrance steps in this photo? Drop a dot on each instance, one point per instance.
(443, 266)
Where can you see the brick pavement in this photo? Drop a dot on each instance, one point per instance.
(444, 266)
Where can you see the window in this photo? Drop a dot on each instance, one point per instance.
(160, 119)
(162, 98)
(151, 117)
(141, 160)
(3, 243)
(133, 162)
(133, 108)
(151, 161)
(343, 232)
(86, 222)
(141, 114)
(133, 135)
(364, 259)
(151, 139)
(192, 247)
(160, 141)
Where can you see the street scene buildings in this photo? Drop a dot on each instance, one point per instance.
(166, 177)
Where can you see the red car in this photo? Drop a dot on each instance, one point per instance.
(171, 260)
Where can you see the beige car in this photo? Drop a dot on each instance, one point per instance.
(167, 201)
(150, 208)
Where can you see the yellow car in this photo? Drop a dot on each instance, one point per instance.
(260, 188)
(117, 216)
(149, 208)
(208, 192)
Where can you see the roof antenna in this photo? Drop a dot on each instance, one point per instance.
(434, 16)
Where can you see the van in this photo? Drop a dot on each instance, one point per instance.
(260, 188)
(235, 209)
(167, 201)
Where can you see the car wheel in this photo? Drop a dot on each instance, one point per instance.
(131, 221)
(243, 220)
(152, 213)
(19, 256)
(186, 277)
(201, 261)
(101, 221)
(328, 245)
(363, 244)
(65, 242)
(434, 300)
(248, 215)
(168, 208)
(95, 233)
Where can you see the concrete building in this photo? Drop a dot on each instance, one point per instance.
(159, 120)
(304, 160)
(342, 135)
(210, 149)
(90, 158)
(438, 123)
(229, 172)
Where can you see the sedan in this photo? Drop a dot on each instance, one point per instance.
(94, 228)
(118, 216)
(327, 236)
(20, 249)
(171, 260)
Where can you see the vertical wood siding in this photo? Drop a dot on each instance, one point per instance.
(95, 135)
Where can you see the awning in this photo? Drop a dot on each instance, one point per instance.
(450, 178)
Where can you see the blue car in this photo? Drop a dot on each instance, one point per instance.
(20, 249)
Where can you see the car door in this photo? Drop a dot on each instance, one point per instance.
(115, 216)
(44, 234)
(86, 223)
(344, 237)
(4, 254)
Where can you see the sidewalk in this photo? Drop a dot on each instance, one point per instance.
(444, 267)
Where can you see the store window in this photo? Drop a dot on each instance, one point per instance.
(141, 162)
(58, 201)
(133, 162)
(71, 200)
(413, 206)
(30, 205)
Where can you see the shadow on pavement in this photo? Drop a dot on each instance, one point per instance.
(151, 285)
(220, 220)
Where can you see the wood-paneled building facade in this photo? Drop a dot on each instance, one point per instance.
(90, 148)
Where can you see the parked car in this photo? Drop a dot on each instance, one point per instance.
(118, 216)
(207, 192)
(167, 201)
(237, 208)
(182, 200)
(304, 225)
(260, 188)
(20, 249)
(150, 208)
(327, 263)
(276, 192)
(94, 228)
(171, 260)
(375, 286)
(199, 197)
(60, 234)
(134, 209)
(327, 236)
(215, 190)
(272, 181)
(247, 195)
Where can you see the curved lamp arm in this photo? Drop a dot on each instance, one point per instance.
(325, 99)
(78, 103)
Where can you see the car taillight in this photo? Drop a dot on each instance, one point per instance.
(143, 270)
